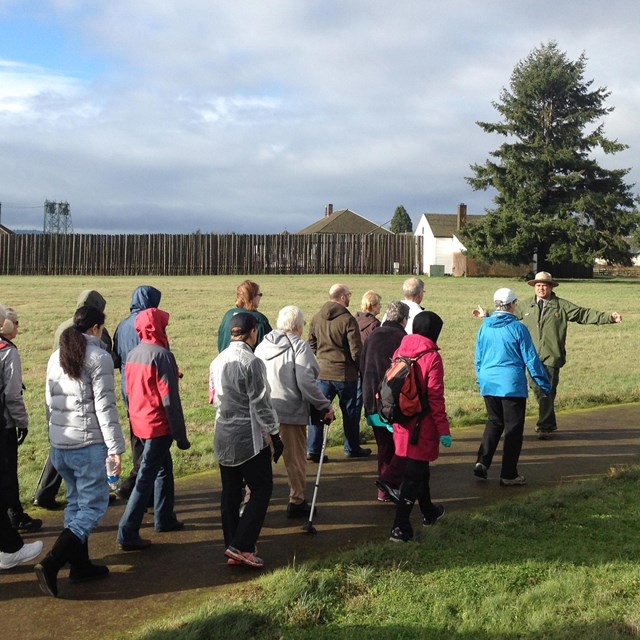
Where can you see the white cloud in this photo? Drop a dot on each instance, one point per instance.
(254, 115)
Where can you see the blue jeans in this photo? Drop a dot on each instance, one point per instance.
(350, 405)
(85, 476)
(155, 476)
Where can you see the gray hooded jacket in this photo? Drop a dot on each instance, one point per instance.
(292, 372)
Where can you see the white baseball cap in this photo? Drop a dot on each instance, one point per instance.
(504, 296)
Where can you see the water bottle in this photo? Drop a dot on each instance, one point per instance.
(112, 478)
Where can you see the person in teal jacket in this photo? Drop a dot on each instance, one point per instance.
(248, 298)
(547, 316)
(504, 351)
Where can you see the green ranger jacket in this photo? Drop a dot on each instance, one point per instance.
(549, 333)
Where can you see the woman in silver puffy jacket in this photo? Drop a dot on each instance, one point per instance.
(83, 430)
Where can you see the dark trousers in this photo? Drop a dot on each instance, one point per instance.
(390, 466)
(546, 404)
(9, 486)
(49, 485)
(239, 531)
(137, 448)
(155, 479)
(415, 486)
(503, 415)
(351, 407)
(10, 540)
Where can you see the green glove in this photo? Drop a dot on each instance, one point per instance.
(446, 441)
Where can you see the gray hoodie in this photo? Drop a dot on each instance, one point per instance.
(292, 372)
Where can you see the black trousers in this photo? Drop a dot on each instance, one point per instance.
(415, 486)
(10, 539)
(242, 532)
(504, 415)
(9, 485)
(49, 485)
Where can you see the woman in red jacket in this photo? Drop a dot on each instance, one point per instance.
(433, 431)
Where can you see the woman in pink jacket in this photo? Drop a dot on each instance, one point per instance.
(433, 429)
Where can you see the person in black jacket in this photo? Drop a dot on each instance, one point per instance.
(377, 353)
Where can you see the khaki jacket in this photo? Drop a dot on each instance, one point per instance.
(549, 332)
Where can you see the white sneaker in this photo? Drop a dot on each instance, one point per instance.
(513, 482)
(29, 551)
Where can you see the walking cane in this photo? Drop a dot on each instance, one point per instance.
(309, 528)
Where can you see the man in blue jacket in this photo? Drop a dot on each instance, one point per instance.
(504, 352)
(126, 338)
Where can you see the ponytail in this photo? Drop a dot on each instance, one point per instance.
(73, 345)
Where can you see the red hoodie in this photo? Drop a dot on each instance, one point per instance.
(151, 376)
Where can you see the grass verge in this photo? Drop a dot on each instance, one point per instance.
(560, 563)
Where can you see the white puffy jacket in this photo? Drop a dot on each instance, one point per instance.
(83, 412)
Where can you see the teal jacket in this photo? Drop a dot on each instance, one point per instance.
(549, 332)
(224, 333)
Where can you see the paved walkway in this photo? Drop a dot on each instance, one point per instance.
(183, 567)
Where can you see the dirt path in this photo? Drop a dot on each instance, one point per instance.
(183, 567)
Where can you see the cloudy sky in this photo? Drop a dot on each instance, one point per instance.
(251, 115)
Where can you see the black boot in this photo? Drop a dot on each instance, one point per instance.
(82, 569)
(65, 547)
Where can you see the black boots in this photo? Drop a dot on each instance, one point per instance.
(65, 547)
(82, 569)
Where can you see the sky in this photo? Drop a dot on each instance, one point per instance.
(250, 116)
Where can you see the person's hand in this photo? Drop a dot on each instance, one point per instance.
(276, 446)
(183, 444)
(616, 317)
(330, 416)
(117, 457)
(22, 434)
(479, 312)
(446, 441)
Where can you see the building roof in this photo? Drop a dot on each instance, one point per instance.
(5, 230)
(344, 221)
(445, 225)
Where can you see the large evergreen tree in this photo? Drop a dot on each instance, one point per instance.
(553, 198)
(401, 222)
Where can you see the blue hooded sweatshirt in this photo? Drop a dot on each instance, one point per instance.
(126, 337)
(504, 350)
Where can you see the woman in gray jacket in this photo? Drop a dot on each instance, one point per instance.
(292, 372)
(83, 430)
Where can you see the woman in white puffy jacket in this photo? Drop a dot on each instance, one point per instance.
(83, 430)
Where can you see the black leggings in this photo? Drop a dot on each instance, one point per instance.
(415, 486)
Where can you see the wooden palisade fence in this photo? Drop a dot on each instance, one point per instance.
(207, 254)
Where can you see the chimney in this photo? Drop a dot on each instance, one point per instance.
(328, 210)
(462, 216)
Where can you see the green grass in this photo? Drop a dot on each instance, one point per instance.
(601, 368)
(560, 563)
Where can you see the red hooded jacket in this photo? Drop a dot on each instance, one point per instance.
(435, 423)
(151, 376)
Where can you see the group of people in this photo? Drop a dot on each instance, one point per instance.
(273, 393)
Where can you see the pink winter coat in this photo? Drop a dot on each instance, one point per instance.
(435, 423)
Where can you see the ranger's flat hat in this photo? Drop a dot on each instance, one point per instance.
(544, 276)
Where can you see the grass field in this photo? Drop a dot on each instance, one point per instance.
(602, 365)
(558, 564)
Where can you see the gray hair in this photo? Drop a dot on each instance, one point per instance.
(10, 321)
(3, 314)
(290, 318)
(412, 287)
(397, 311)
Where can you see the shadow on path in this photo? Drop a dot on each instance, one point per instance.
(181, 567)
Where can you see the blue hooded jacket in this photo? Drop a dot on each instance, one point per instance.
(504, 350)
(126, 337)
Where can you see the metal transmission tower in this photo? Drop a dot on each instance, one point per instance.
(57, 217)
